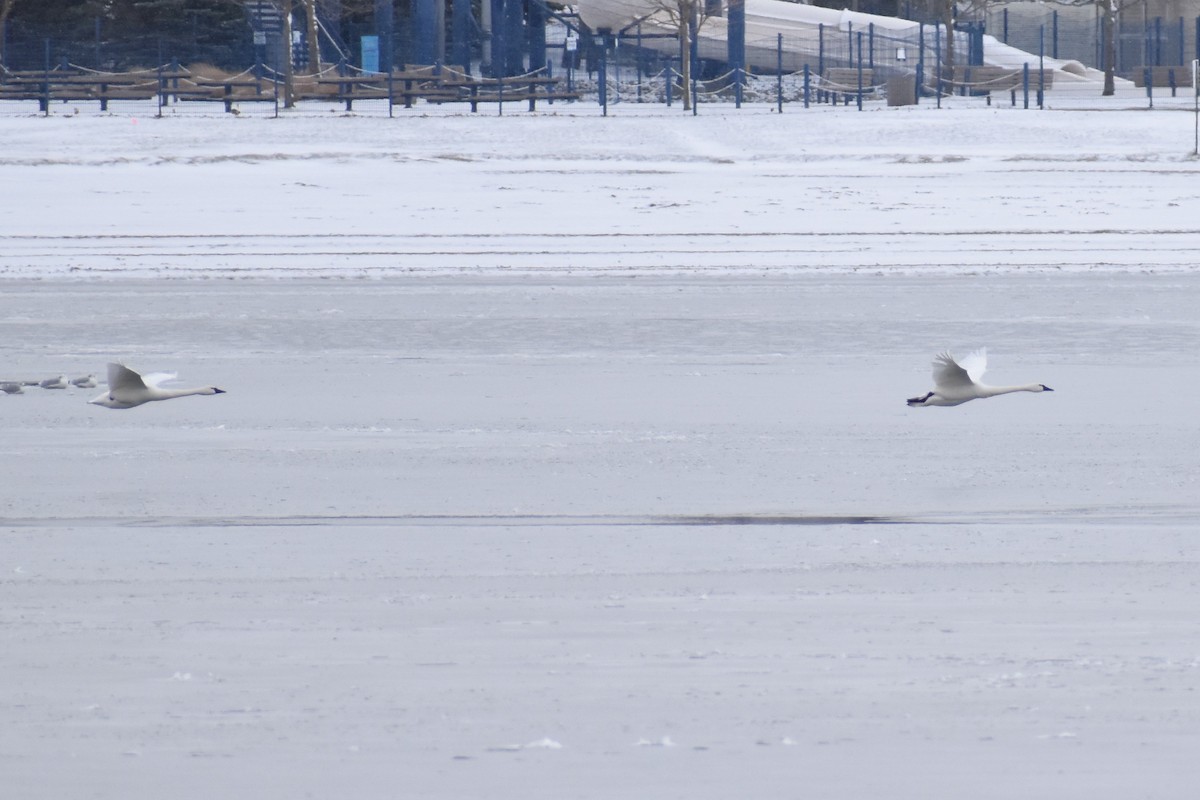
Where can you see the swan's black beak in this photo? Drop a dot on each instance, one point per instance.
(1046, 388)
(222, 391)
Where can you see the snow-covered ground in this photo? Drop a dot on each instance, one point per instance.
(566, 456)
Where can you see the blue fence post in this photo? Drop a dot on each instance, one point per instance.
(871, 44)
(850, 44)
(385, 27)
(535, 34)
(1147, 76)
(1041, 92)
(860, 71)
(820, 48)
(1182, 56)
(496, 40)
(423, 32)
(735, 44)
(920, 60)
(45, 100)
(1054, 34)
(602, 40)
(1025, 83)
(779, 73)
(807, 84)
(1158, 42)
(638, 44)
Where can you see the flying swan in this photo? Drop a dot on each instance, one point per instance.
(956, 382)
(127, 388)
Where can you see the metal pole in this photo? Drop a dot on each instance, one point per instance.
(639, 62)
(779, 73)
(604, 73)
(1181, 39)
(920, 60)
(46, 85)
(860, 71)
(821, 48)
(162, 86)
(1041, 66)
(937, 60)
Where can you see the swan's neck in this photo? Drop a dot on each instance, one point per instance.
(992, 391)
(167, 394)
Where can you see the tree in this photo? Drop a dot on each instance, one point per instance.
(686, 17)
(313, 32)
(1109, 31)
(1109, 11)
(6, 7)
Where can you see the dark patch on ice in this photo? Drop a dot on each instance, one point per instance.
(774, 519)
(459, 520)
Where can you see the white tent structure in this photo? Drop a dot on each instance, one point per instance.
(803, 32)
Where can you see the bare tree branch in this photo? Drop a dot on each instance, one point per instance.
(686, 16)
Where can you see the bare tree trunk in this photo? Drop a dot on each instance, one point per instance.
(289, 89)
(314, 32)
(948, 23)
(685, 44)
(1110, 46)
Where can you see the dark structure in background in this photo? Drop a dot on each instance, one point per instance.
(492, 37)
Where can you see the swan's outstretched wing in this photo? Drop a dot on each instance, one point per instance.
(975, 363)
(122, 377)
(158, 378)
(947, 373)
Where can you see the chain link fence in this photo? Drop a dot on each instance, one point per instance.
(1077, 33)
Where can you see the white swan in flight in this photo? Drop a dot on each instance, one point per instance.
(127, 388)
(957, 381)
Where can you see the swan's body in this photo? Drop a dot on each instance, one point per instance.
(85, 382)
(54, 383)
(127, 389)
(957, 381)
(12, 387)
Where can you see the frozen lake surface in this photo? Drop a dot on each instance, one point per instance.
(623, 504)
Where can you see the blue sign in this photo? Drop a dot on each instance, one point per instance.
(370, 54)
